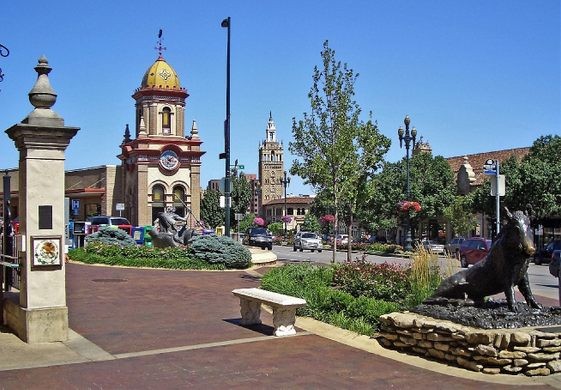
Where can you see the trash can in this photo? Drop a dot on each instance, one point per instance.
(137, 233)
(147, 237)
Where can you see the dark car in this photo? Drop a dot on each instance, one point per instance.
(453, 247)
(474, 250)
(260, 237)
(544, 255)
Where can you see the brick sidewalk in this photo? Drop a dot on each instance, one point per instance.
(174, 329)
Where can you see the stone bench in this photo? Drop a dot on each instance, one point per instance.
(284, 308)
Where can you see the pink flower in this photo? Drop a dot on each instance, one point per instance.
(259, 221)
(405, 206)
(327, 219)
(286, 219)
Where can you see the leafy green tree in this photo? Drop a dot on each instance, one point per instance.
(277, 228)
(337, 150)
(211, 212)
(459, 214)
(241, 195)
(535, 180)
(310, 224)
(432, 185)
(246, 222)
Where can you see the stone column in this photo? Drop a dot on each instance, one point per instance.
(41, 314)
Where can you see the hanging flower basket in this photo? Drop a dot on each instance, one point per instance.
(327, 219)
(286, 219)
(258, 221)
(408, 206)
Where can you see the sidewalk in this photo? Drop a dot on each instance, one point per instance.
(138, 328)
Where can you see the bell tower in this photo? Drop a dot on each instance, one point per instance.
(271, 164)
(161, 165)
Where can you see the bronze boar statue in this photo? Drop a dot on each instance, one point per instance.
(504, 267)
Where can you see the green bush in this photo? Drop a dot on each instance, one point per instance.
(139, 256)
(385, 281)
(111, 236)
(219, 250)
(324, 303)
(384, 248)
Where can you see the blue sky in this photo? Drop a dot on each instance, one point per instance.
(474, 76)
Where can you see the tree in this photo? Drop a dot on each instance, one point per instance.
(310, 224)
(246, 222)
(338, 151)
(277, 228)
(459, 214)
(241, 195)
(432, 185)
(211, 212)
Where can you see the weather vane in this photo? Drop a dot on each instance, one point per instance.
(4, 52)
(160, 46)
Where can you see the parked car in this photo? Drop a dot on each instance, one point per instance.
(473, 250)
(453, 247)
(433, 246)
(307, 240)
(555, 263)
(341, 239)
(544, 255)
(260, 237)
(93, 223)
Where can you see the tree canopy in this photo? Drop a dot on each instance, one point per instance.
(337, 151)
(211, 212)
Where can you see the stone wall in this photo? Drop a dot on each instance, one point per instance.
(525, 351)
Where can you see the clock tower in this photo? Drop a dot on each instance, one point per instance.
(271, 164)
(161, 165)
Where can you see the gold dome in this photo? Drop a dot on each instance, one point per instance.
(161, 75)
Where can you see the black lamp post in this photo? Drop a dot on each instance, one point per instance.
(226, 155)
(408, 137)
(285, 182)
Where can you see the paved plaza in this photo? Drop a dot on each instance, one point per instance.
(142, 328)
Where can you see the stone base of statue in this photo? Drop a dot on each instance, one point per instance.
(532, 351)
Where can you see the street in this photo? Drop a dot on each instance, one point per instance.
(541, 282)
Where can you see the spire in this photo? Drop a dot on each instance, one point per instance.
(142, 128)
(127, 135)
(194, 130)
(160, 44)
(42, 96)
(271, 133)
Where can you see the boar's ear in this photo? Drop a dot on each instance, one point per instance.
(508, 213)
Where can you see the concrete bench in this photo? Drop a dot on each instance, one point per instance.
(284, 308)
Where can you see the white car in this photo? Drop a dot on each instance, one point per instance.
(433, 247)
(307, 240)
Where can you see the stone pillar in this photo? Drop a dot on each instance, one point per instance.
(41, 315)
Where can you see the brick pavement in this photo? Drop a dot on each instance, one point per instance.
(136, 314)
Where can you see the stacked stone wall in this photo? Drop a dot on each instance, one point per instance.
(525, 351)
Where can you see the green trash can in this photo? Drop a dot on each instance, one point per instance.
(147, 237)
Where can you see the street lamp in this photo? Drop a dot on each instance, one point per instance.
(407, 137)
(226, 155)
(285, 182)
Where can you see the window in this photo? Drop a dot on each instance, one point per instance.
(166, 120)
(290, 211)
(179, 200)
(158, 196)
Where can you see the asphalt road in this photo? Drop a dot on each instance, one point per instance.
(541, 282)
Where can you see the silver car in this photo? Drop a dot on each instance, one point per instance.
(307, 240)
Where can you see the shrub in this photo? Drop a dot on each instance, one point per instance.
(384, 248)
(138, 256)
(111, 236)
(425, 275)
(379, 281)
(220, 250)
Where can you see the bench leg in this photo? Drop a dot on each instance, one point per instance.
(283, 321)
(251, 312)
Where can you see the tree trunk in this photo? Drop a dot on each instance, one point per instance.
(349, 232)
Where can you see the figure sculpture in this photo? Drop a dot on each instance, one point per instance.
(168, 234)
(504, 267)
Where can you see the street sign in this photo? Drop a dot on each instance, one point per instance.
(120, 206)
(75, 204)
(238, 216)
(241, 166)
(502, 185)
(490, 167)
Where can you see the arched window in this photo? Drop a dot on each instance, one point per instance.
(158, 193)
(166, 120)
(179, 200)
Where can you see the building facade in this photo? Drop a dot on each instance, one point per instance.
(271, 165)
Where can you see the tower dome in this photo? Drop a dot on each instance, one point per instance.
(161, 75)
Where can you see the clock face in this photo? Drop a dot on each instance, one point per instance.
(169, 160)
